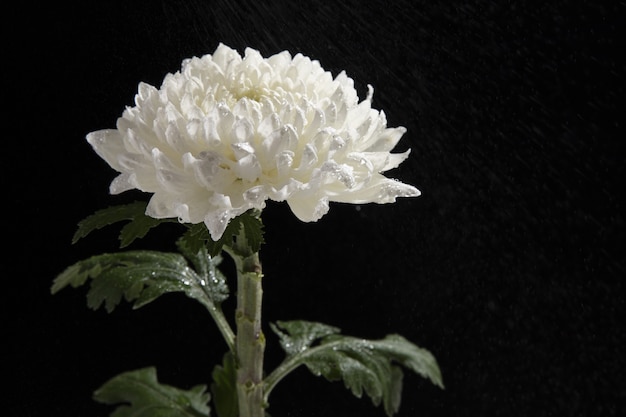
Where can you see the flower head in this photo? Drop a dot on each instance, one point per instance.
(226, 133)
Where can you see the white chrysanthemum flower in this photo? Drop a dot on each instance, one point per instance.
(227, 132)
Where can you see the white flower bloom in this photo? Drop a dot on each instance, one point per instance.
(227, 132)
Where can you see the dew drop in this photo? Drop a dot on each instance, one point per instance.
(253, 194)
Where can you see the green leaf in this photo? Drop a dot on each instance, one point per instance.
(195, 249)
(139, 276)
(370, 366)
(141, 395)
(300, 334)
(138, 226)
(410, 356)
(224, 388)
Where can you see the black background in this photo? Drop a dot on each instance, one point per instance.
(509, 268)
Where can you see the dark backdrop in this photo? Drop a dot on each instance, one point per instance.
(508, 267)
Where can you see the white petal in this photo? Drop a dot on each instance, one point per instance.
(380, 190)
(278, 141)
(225, 56)
(308, 157)
(242, 150)
(169, 177)
(284, 192)
(255, 195)
(164, 206)
(308, 208)
(109, 145)
(379, 161)
(207, 170)
(248, 168)
(216, 222)
(123, 182)
(242, 131)
(387, 140)
(343, 173)
(394, 160)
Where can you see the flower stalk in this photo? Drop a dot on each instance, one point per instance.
(250, 340)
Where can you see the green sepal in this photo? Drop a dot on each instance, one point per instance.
(224, 388)
(139, 276)
(141, 395)
(250, 223)
(135, 213)
(370, 366)
(197, 237)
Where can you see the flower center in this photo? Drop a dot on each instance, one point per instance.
(251, 93)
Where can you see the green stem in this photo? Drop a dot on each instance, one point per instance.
(250, 341)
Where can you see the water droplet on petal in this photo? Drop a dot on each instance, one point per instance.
(254, 194)
(337, 143)
(283, 162)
